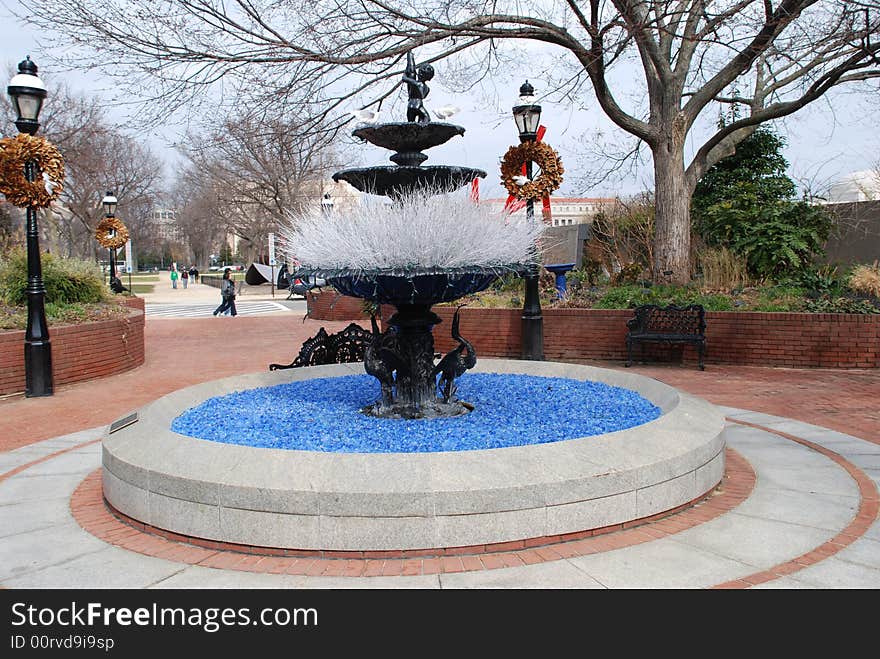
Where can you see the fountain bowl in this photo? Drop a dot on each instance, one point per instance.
(326, 502)
(390, 180)
(408, 135)
(424, 289)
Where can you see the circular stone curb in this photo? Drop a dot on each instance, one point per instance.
(97, 517)
(398, 502)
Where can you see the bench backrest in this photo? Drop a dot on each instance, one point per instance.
(340, 348)
(650, 318)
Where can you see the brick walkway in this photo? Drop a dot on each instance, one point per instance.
(184, 352)
(844, 400)
(179, 353)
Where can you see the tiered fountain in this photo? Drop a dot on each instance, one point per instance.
(402, 358)
(340, 500)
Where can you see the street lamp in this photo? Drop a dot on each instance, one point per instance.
(109, 203)
(28, 92)
(528, 117)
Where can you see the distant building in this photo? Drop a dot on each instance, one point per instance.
(856, 186)
(566, 211)
(339, 196)
(165, 221)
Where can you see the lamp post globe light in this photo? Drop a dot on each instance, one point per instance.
(528, 117)
(27, 93)
(109, 203)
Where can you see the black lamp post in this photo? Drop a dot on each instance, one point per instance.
(28, 92)
(109, 203)
(528, 117)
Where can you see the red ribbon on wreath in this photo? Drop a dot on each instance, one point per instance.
(513, 204)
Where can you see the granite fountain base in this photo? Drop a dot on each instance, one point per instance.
(410, 501)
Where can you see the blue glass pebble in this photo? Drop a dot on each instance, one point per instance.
(323, 415)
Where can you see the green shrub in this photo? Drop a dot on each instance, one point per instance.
(507, 283)
(775, 238)
(746, 203)
(631, 273)
(779, 298)
(66, 280)
(15, 318)
(590, 274)
(824, 280)
(629, 297)
(840, 305)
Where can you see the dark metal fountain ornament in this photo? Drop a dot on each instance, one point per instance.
(402, 358)
(408, 140)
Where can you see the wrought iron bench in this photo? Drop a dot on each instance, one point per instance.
(345, 346)
(670, 324)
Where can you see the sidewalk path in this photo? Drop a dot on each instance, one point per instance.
(809, 519)
(200, 293)
(188, 310)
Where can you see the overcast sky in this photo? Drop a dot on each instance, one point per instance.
(826, 141)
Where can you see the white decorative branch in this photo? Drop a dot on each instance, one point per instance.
(423, 231)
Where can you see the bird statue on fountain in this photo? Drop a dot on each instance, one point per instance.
(455, 362)
(381, 361)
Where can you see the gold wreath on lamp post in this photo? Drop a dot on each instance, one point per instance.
(111, 233)
(15, 153)
(545, 157)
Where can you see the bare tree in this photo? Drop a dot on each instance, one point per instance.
(252, 172)
(98, 157)
(11, 228)
(196, 206)
(321, 55)
(623, 236)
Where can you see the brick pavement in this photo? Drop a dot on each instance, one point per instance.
(179, 353)
(846, 400)
(183, 352)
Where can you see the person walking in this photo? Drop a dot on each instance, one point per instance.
(194, 274)
(184, 277)
(174, 275)
(227, 292)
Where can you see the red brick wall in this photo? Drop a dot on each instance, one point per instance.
(79, 352)
(766, 339)
(794, 339)
(133, 302)
(330, 305)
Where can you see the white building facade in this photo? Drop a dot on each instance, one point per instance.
(856, 186)
(566, 211)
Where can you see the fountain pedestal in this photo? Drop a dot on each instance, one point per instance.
(409, 348)
(402, 359)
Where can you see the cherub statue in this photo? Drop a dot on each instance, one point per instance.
(415, 77)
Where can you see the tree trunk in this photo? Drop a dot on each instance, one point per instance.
(672, 216)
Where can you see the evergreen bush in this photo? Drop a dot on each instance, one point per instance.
(67, 280)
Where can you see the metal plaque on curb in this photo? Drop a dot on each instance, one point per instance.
(125, 421)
